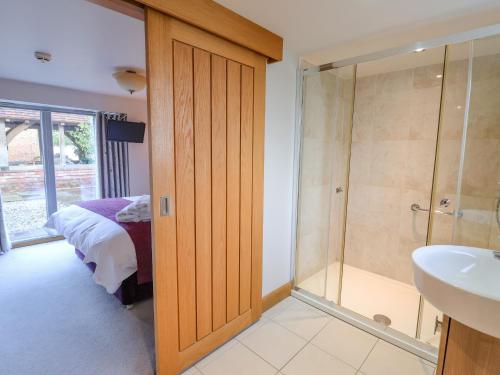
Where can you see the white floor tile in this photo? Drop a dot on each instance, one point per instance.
(275, 344)
(345, 342)
(280, 307)
(216, 354)
(238, 360)
(387, 359)
(312, 360)
(303, 319)
(252, 328)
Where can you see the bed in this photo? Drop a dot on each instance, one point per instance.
(119, 254)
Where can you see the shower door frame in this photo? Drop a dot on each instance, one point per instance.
(388, 334)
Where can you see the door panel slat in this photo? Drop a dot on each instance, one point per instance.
(219, 203)
(233, 188)
(246, 187)
(184, 155)
(203, 191)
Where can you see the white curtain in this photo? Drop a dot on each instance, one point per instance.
(4, 236)
(113, 159)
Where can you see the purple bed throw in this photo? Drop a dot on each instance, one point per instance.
(140, 233)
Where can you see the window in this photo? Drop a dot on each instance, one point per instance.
(48, 160)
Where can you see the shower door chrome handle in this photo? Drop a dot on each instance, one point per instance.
(416, 207)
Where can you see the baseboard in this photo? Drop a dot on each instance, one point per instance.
(36, 241)
(276, 296)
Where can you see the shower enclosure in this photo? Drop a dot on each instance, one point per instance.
(395, 153)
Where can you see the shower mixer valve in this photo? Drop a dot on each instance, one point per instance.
(445, 202)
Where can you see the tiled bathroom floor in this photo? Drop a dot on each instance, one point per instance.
(294, 338)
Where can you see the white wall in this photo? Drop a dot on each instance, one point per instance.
(58, 96)
(278, 172)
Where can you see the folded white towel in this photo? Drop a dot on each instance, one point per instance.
(139, 210)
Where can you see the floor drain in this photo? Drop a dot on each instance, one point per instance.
(382, 319)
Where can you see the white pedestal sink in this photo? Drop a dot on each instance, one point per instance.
(463, 282)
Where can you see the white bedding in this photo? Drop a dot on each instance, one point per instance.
(101, 240)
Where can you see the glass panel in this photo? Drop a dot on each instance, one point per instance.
(342, 135)
(21, 173)
(479, 221)
(74, 141)
(396, 116)
(326, 133)
(467, 176)
(446, 170)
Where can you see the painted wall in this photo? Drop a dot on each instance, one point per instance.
(58, 96)
(278, 172)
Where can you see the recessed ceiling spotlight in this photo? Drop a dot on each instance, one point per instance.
(43, 57)
(420, 49)
(439, 76)
(459, 107)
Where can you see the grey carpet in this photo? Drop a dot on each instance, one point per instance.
(55, 320)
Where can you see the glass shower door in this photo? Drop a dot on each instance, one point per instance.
(478, 193)
(467, 177)
(325, 148)
(396, 117)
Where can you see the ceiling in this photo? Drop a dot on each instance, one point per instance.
(309, 26)
(87, 43)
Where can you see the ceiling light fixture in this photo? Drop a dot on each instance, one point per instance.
(130, 80)
(420, 50)
(439, 76)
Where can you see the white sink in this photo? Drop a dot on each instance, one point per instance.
(463, 282)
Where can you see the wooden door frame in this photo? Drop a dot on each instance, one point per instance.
(160, 95)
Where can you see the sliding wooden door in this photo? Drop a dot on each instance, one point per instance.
(206, 108)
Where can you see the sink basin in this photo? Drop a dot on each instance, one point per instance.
(463, 282)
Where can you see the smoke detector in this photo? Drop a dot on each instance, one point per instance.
(43, 57)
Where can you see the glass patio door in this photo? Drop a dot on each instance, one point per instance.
(75, 158)
(22, 177)
(47, 161)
